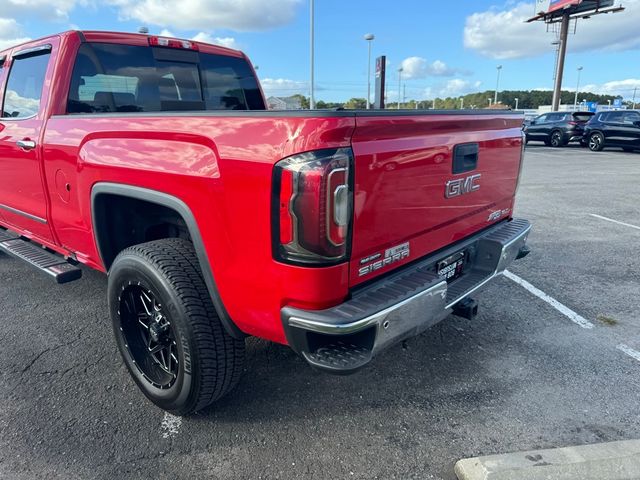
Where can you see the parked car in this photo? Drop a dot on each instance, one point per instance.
(155, 160)
(557, 129)
(614, 129)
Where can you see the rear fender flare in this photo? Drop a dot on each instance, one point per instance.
(181, 208)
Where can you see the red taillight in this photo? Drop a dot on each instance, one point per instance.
(312, 207)
(574, 123)
(172, 43)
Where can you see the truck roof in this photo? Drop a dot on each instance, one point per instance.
(128, 39)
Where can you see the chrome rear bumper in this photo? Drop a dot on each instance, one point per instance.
(346, 337)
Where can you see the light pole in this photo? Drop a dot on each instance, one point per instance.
(575, 101)
(517, 99)
(312, 99)
(489, 101)
(369, 37)
(399, 84)
(499, 69)
(461, 103)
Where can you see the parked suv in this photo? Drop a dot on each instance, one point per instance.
(558, 128)
(614, 129)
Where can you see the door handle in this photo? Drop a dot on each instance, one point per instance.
(26, 144)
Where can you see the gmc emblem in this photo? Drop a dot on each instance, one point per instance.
(462, 186)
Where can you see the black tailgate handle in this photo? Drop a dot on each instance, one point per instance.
(465, 157)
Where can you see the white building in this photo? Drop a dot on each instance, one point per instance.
(284, 103)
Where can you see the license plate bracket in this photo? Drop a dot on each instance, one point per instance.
(451, 267)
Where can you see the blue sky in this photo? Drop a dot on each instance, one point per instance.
(445, 48)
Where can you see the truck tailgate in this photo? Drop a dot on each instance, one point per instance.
(403, 207)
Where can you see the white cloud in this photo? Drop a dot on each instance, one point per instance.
(457, 87)
(204, 37)
(619, 88)
(418, 67)
(10, 33)
(228, 42)
(503, 34)
(282, 87)
(239, 15)
(48, 9)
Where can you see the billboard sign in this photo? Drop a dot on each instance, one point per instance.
(577, 6)
(560, 4)
(617, 103)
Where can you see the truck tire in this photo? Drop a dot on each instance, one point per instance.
(167, 328)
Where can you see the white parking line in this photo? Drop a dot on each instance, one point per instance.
(170, 425)
(629, 351)
(614, 221)
(566, 311)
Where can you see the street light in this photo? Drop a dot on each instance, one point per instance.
(399, 83)
(489, 101)
(369, 37)
(499, 69)
(312, 99)
(575, 101)
(517, 99)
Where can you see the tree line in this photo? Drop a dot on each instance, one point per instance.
(527, 99)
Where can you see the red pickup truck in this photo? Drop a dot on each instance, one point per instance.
(338, 233)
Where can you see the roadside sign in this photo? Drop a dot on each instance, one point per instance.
(381, 76)
(591, 106)
(617, 103)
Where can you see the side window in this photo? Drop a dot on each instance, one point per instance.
(603, 117)
(24, 86)
(542, 119)
(615, 117)
(3, 59)
(631, 118)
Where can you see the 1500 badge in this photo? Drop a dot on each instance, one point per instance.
(376, 262)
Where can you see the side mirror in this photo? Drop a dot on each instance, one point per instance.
(533, 122)
(637, 123)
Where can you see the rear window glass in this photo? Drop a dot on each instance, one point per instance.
(583, 117)
(122, 78)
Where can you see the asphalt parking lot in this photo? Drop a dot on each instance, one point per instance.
(523, 375)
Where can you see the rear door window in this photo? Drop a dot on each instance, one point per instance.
(24, 85)
(123, 78)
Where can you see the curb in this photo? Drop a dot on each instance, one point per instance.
(610, 461)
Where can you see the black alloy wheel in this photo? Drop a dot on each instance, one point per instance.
(596, 142)
(556, 139)
(148, 335)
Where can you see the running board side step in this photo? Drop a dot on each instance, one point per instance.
(50, 263)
